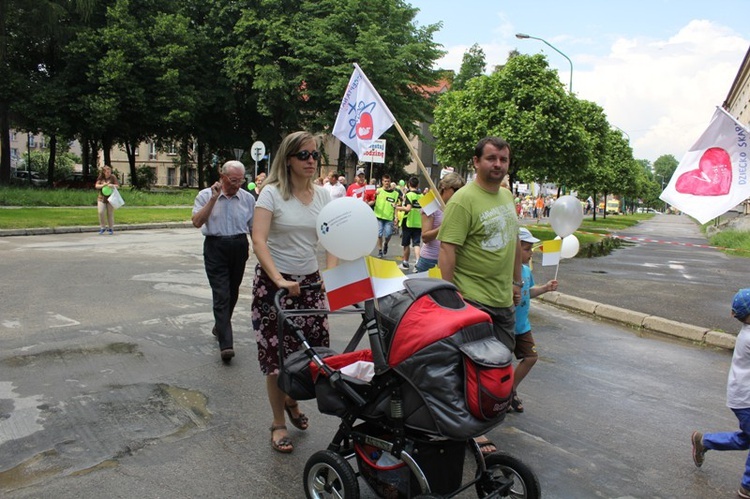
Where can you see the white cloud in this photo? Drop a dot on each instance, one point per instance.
(661, 92)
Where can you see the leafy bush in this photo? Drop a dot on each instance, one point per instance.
(145, 177)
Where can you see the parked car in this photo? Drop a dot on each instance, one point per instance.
(77, 181)
(21, 177)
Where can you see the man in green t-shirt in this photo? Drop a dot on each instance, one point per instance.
(479, 246)
(480, 251)
(386, 200)
(411, 225)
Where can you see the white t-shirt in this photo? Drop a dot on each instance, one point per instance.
(335, 190)
(738, 384)
(293, 237)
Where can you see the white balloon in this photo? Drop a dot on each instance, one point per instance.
(347, 228)
(570, 246)
(566, 215)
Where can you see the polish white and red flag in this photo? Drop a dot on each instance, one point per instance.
(347, 283)
(712, 177)
(363, 116)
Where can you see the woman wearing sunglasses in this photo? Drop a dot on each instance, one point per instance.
(285, 241)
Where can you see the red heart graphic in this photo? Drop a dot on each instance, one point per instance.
(713, 177)
(364, 127)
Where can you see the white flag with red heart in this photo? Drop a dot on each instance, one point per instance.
(712, 177)
(363, 116)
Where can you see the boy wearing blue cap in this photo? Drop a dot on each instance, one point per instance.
(738, 397)
(525, 349)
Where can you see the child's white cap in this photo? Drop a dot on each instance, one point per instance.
(525, 235)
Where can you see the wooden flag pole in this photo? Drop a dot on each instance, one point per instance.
(419, 164)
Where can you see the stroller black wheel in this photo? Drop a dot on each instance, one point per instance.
(329, 475)
(501, 469)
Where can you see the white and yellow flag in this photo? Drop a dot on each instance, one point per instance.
(430, 203)
(551, 252)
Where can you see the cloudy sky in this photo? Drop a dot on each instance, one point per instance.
(657, 67)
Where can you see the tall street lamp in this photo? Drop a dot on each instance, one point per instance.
(524, 36)
(622, 131)
(662, 188)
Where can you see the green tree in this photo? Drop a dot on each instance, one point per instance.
(32, 34)
(664, 167)
(217, 74)
(296, 82)
(591, 179)
(526, 104)
(473, 64)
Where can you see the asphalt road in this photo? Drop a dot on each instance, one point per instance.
(664, 269)
(111, 386)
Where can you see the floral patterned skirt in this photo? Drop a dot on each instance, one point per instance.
(265, 318)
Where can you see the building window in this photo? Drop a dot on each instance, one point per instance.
(32, 141)
(152, 150)
(172, 149)
(171, 177)
(43, 142)
(13, 136)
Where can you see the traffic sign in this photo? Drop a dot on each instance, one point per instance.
(258, 150)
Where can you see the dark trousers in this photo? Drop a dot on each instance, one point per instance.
(504, 322)
(225, 259)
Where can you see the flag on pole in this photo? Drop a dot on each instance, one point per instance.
(712, 177)
(385, 276)
(551, 252)
(347, 283)
(363, 116)
(429, 203)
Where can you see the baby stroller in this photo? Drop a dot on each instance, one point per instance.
(441, 377)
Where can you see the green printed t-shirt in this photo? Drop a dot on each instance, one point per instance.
(384, 209)
(414, 217)
(484, 228)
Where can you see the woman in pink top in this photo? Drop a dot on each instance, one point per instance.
(428, 256)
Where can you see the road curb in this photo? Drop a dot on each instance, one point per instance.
(639, 320)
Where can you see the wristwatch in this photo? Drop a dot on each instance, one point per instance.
(518, 283)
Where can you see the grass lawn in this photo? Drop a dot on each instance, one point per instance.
(31, 218)
(590, 231)
(35, 207)
(42, 196)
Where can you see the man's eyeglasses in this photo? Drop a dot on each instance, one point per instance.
(234, 181)
(303, 155)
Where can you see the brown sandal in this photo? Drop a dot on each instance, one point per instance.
(516, 403)
(486, 447)
(284, 444)
(301, 421)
